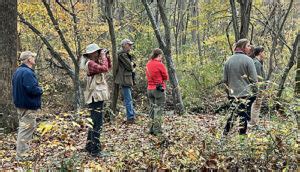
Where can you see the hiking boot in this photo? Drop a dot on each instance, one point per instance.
(156, 133)
(25, 158)
(101, 154)
(130, 121)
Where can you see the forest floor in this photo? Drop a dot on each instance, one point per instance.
(188, 142)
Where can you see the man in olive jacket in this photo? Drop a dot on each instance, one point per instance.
(125, 77)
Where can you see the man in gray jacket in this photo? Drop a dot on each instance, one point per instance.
(240, 76)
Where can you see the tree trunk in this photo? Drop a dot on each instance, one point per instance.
(8, 58)
(289, 66)
(185, 31)
(194, 5)
(66, 46)
(165, 45)
(183, 24)
(245, 10)
(196, 24)
(79, 98)
(272, 54)
(297, 86)
(110, 21)
(176, 27)
(234, 20)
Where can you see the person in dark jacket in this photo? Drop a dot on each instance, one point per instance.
(240, 76)
(157, 74)
(125, 77)
(27, 99)
(258, 62)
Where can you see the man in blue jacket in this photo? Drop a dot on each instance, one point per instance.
(27, 99)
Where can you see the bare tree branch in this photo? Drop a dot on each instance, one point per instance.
(286, 15)
(288, 67)
(280, 37)
(267, 19)
(61, 36)
(64, 8)
(75, 27)
(77, 34)
(252, 31)
(156, 29)
(49, 46)
(52, 62)
(227, 35)
(165, 23)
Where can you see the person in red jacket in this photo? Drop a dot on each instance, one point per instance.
(156, 76)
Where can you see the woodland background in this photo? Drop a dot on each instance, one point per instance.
(197, 37)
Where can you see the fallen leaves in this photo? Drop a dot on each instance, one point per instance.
(188, 142)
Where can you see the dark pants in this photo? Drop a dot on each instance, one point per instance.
(93, 139)
(240, 107)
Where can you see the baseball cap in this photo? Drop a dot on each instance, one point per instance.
(26, 54)
(126, 41)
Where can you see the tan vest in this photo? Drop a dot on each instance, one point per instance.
(96, 88)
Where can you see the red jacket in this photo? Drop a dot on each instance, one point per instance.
(156, 73)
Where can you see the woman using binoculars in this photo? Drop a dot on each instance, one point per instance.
(98, 63)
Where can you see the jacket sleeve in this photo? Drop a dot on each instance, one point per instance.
(30, 84)
(252, 72)
(95, 68)
(225, 75)
(225, 80)
(164, 72)
(123, 60)
(258, 68)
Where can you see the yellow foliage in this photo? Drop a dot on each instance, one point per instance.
(75, 124)
(44, 127)
(192, 154)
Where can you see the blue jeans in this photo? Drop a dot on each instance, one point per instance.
(128, 102)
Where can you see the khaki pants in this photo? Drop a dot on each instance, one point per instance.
(255, 109)
(27, 125)
(157, 102)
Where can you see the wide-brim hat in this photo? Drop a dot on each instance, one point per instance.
(91, 48)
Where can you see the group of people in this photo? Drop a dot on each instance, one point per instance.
(244, 78)
(27, 92)
(241, 74)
